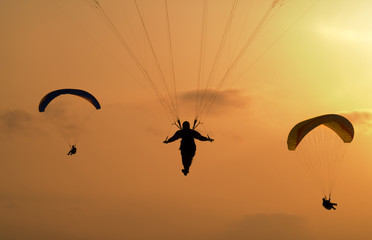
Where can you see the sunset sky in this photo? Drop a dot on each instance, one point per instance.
(311, 58)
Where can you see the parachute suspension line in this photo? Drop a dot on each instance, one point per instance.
(178, 123)
(127, 19)
(206, 132)
(247, 44)
(252, 36)
(335, 164)
(144, 41)
(205, 129)
(83, 126)
(93, 39)
(221, 46)
(171, 60)
(169, 96)
(275, 41)
(201, 57)
(277, 2)
(101, 12)
(170, 128)
(120, 64)
(193, 125)
(206, 94)
(273, 6)
(257, 29)
(322, 154)
(144, 61)
(175, 123)
(233, 49)
(56, 123)
(245, 21)
(196, 123)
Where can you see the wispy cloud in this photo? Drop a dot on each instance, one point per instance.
(359, 36)
(17, 121)
(361, 119)
(217, 102)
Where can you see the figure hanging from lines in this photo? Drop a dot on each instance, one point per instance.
(187, 147)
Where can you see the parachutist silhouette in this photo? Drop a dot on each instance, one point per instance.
(72, 151)
(187, 147)
(327, 204)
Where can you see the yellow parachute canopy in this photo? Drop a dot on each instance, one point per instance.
(337, 123)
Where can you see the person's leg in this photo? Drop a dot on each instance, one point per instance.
(186, 161)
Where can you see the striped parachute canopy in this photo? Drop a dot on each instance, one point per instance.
(80, 93)
(340, 125)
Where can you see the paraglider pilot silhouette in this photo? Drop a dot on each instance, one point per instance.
(47, 99)
(323, 140)
(327, 204)
(72, 151)
(187, 147)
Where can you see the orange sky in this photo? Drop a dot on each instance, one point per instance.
(124, 183)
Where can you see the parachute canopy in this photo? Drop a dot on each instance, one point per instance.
(81, 93)
(340, 125)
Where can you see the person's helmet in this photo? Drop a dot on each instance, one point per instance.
(185, 125)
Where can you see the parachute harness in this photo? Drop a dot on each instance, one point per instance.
(177, 124)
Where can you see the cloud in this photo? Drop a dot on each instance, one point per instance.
(361, 119)
(17, 122)
(358, 36)
(11, 205)
(217, 102)
(268, 227)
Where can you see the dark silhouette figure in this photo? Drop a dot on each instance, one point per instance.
(187, 147)
(327, 204)
(72, 151)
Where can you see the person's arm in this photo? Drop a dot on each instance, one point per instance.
(176, 136)
(200, 137)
